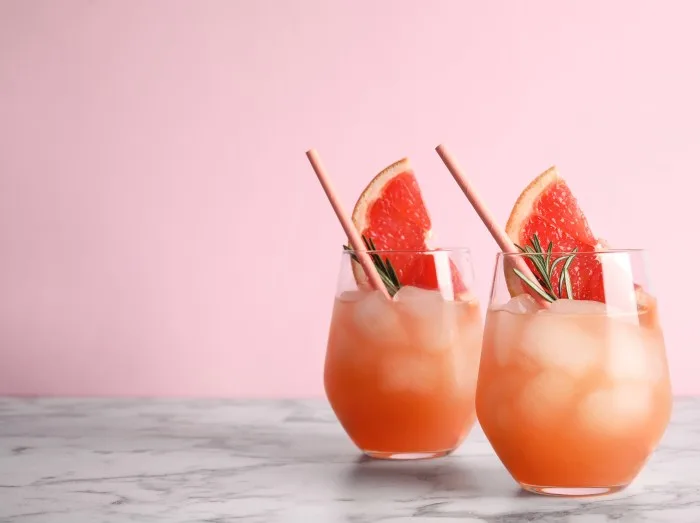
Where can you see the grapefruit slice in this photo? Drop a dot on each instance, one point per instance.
(391, 212)
(548, 208)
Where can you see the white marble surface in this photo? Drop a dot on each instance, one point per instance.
(104, 461)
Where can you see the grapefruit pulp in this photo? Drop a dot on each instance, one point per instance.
(392, 213)
(548, 208)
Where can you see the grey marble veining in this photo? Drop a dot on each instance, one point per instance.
(105, 461)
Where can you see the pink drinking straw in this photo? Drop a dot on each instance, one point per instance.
(502, 239)
(349, 228)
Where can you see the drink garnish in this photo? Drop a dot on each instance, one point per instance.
(544, 266)
(392, 212)
(386, 270)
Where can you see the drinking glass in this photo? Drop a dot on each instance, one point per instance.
(574, 395)
(400, 374)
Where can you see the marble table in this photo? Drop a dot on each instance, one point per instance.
(109, 460)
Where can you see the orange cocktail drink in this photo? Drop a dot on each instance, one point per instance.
(574, 391)
(575, 396)
(405, 336)
(401, 374)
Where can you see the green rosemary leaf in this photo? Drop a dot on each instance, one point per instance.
(543, 275)
(544, 268)
(535, 287)
(385, 269)
(388, 284)
(536, 243)
(565, 273)
(554, 265)
(571, 257)
(562, 275)
(392, 272)
(541, 259)
(377, 260)
(537, 261)
(557, 262)
(352, 253)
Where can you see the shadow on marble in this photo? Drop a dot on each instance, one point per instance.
(452, 474)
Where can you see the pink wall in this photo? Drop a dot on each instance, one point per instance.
(158, 216)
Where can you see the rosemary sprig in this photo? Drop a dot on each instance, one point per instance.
(544, 265)
(384, 267)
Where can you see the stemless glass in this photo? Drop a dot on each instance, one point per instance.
(574, 396)
(400, 375)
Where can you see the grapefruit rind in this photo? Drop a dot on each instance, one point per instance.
(374, 190)
(526, 201)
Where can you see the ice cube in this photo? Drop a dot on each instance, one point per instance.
(377, 318)
(629, 356)
(470, 337)
(521, 304)
(409, 373)
(557, 342)
(502, 334)
(546, 396)
(574, 307)
(616, 411)
(432, 320)
(415, 300)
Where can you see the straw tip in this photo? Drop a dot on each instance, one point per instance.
(311, 152)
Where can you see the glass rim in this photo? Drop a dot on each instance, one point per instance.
(464, 250)
(563, 253)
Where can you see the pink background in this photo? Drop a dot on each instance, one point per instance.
(162, 233)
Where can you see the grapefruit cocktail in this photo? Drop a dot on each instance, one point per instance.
(573, 391)
(400, 372)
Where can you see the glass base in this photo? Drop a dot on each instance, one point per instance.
(577, 492)
(407, 456)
